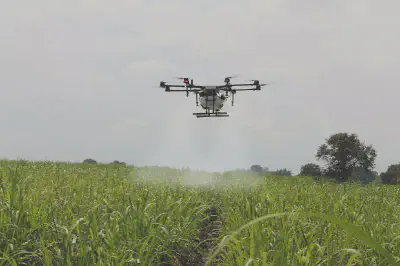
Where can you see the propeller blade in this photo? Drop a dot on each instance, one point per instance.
(233, 76)
(228, 79)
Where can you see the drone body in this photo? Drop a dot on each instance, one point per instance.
(212, 98)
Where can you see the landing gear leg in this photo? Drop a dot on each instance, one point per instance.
(213, 103)
(207, 105)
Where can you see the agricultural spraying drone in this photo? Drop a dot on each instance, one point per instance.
(212, 98)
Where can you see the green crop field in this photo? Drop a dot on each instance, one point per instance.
(84, 214)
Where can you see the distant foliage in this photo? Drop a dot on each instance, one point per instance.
(343, 153)
(264, 170)
(257, 168)
(92, 161)
(362, 175)
(392, 175)
(282, 172)
(118, 162)
(310, 169)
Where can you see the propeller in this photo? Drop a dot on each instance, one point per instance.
(228, 79)
(255, 81)
(163, 84)
(258, 87)
(186, 79)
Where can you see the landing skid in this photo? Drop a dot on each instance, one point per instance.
(217, 114)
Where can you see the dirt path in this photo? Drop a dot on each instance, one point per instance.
(210, 230)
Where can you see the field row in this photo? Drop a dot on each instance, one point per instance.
(78, 214)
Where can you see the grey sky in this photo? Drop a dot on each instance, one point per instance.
(77, 77)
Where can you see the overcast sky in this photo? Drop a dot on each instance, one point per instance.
(77, 80)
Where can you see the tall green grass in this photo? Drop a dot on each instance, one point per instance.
(80, 214)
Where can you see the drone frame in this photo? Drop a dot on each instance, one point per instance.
(227, 87)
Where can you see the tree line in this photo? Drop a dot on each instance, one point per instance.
(93, 161)
(345, 157)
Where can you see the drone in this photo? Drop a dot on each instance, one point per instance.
(211, 98)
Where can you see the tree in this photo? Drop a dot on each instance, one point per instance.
(343, 153)
(282, 172)
(310, 169)
(256, 168)
(118, 162)
(90, 161)
(392, 175)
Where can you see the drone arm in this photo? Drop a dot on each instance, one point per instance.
(185, 90)
(253, 89)
(234, 85)
(196, 86)
(229, 87)
(183, 86)
(229, 90)
(242, 85)
(176, 86)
